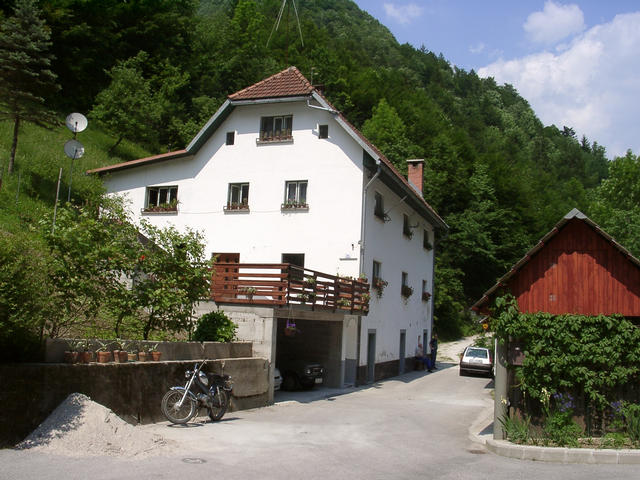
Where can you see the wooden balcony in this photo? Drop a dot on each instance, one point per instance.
(283, 284)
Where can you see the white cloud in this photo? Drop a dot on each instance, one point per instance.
(591, 86)
(477, 48)
(403, 13)
(554, 23)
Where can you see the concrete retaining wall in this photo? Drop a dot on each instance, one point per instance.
(30, 392)
(55, 348)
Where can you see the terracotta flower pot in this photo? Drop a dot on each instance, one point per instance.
(70, 357)
(132, 357)
(85, 357)
(155, 356)
(104, 357)
(143, 356)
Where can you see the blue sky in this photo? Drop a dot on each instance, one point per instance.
(577, 63)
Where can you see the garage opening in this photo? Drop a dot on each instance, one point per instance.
(314, 342)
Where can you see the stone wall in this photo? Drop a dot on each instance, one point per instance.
(30, 392)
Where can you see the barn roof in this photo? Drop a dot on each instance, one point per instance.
(573, 214)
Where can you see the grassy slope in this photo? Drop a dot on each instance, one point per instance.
(29, 193)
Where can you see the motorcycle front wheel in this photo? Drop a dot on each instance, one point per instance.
(175, 412)
(220, 404)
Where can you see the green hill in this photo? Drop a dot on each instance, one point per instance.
(498, 177)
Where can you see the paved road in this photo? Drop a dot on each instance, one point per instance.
(415, 426)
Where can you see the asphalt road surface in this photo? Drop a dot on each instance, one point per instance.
(412, 427)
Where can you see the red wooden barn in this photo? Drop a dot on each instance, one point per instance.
(575, 268)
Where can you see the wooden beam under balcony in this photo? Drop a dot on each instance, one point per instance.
(283, 284)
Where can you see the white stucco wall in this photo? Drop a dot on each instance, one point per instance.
(327, 233)
(386, 244)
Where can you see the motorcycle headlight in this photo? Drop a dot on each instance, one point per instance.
(203, 378)
(187, 374)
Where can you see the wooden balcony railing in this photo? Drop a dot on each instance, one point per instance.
(285, 284)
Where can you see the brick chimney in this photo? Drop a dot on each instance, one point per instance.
(416, 173)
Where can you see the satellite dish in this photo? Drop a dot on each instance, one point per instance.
(76, 122)
(74, 149)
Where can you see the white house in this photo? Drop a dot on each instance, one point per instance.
(278, 176)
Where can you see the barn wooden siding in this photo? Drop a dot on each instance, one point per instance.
(578, 271)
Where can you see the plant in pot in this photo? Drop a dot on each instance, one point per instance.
(84, 354)
(290, 329)
(143, 352)
(132, 351)
(249, 292)
(103, 353)
(120, 354)
(71, 354)
(155, 354)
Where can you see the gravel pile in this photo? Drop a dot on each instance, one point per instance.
(80, 427)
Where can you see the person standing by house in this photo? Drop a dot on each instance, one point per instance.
(434, 350)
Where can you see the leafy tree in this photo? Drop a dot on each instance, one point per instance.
(615, 204)
(128, 107)
(387, 131)
(172, 275)
(25, 74)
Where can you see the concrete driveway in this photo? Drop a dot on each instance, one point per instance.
(414, 426)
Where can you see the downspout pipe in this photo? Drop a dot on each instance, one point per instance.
(362, 247)
(363, 217)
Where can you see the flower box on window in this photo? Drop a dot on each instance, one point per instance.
(294, 206)
(236, 206)
(162, 208)
(406, 291)
(426, 296)
(379, 285)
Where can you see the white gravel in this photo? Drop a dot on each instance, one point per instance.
(80, 427)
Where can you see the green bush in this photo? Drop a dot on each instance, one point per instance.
(215, 327)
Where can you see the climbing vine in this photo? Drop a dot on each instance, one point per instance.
(598, 356)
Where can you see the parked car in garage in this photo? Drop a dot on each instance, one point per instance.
(298, 374)
(476, 360)
(277, 379)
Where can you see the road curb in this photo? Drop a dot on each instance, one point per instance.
(563, 455)
(504, 448)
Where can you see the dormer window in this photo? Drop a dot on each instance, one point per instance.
(276, 129)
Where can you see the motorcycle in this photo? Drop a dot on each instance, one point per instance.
(181, 404)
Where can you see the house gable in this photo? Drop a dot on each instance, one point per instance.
(576, 268)
(290, 85)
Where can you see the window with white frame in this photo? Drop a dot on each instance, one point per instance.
(238, 198)
(426, 295)
(426, 242)
(378, 209)
(405, 289)
(406, 227)
(295, 194)
(273, 129)
(163, 198)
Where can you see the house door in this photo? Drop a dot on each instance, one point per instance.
(403, 341)
(371, 356)
(296, 259)
(225, 277)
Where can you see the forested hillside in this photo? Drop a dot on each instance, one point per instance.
(153, 71)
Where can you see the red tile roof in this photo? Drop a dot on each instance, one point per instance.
(139, 161)
(287, 83)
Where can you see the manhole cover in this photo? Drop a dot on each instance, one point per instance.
(477, 451)
(194, 460)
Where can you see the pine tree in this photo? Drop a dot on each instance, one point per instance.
(25, 75)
